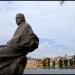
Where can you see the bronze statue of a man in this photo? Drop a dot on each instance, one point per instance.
(13, 55)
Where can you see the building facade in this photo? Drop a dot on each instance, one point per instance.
(34, 63)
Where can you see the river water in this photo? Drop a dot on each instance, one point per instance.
(49, 71)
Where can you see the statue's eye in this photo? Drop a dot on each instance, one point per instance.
(17, 17)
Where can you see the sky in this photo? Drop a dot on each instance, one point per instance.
(53, 24)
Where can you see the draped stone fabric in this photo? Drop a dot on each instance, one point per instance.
(15, 65)
(13, 55)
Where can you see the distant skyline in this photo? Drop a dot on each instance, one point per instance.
(54, 25)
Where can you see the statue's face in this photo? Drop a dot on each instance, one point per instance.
(18, 19)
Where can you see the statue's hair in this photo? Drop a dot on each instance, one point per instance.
(22, 16)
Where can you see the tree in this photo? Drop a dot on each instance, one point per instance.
(71, 63)
(48, 62)
(60, 63)
(44, 63)
(53, 64)
(66, 63)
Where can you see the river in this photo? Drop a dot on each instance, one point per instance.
(49, 71)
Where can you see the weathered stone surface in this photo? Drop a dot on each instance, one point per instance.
(13, 54)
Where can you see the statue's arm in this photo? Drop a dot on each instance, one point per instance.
(32, 42)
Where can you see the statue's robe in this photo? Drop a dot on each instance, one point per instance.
(13, 55)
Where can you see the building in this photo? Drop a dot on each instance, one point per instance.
(34, 63)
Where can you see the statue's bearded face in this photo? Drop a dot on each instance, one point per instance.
(18, 19)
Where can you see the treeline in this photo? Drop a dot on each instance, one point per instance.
(61, 63)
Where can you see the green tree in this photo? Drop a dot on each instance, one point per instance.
(44, 63)
(71, 63)
(48, 62)
(66, 63)
(53, 64)
(60, 63)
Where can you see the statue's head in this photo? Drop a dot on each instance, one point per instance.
(20, 18)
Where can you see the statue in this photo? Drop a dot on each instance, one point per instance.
(13, 55)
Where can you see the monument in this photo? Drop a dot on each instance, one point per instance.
(13, 55)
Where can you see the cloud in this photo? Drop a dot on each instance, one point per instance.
(45, 50)
(53, 24)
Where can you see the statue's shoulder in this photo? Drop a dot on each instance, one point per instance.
(25, 25)
(28, 25)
